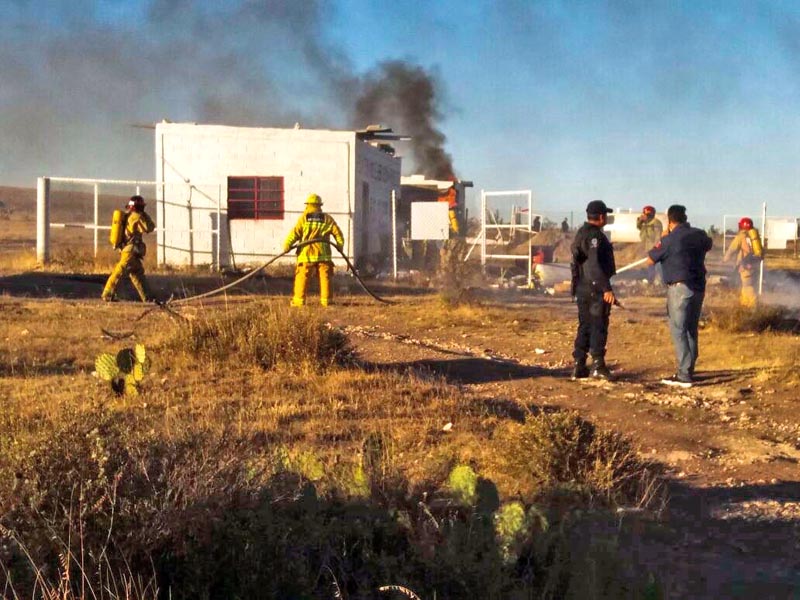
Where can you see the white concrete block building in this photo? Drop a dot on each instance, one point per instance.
(247, 187)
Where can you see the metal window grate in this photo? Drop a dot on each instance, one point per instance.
(258, 198)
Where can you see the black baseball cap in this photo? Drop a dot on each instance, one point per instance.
(597, 207)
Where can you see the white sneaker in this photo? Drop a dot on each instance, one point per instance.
(676, 381)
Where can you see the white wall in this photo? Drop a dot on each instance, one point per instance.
(779, 231)
(380, 171)
(310, 161)
(623, 229)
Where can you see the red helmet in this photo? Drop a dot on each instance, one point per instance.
(136, 203)
(745, 223)
(649, 210)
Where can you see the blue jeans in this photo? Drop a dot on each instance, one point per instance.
(683, 310)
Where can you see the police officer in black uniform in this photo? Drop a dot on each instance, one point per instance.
(592, 269)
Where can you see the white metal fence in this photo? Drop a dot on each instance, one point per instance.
(776, 231)
(76, 203)
(192, 225)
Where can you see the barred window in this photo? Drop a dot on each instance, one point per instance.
(255, 198)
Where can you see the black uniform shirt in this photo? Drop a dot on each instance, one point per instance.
(682, 254)
(592, 260)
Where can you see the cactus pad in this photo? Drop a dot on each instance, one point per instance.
(138, 372)
(106, 366)
(131, 385)
(125, 360)
(140, 353)
(463, 483)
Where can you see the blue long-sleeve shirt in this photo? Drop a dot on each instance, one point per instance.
(682, 254)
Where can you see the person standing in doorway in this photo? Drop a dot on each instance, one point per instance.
(313, 224)
(592, 268)
(682, 254)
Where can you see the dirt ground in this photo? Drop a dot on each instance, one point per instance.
(730, 445)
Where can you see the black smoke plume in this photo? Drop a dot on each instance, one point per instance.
(409, 99)
(73, 80)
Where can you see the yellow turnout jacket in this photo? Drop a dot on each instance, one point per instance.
(747, 248)
(314, 224)
(136, 225)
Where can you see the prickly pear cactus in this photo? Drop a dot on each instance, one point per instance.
(510, 524)
(463, 484)
(106, 366)
(125, 371)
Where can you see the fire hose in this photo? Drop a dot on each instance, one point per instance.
(641, 261)
(168, 304)
(268, 263)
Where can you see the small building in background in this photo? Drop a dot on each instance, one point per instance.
(416, 188)
(229, 195)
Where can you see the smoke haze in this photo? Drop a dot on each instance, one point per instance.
(73, 80)
(407, 97)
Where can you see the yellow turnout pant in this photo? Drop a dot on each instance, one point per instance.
(129, 264)
(748, 297)
(453, 221)
(301, 276)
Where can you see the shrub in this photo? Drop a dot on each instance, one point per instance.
(738, 319)
(264, 335)
(562, 452)
(456, 278)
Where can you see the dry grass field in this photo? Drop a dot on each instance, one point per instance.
(325, 453)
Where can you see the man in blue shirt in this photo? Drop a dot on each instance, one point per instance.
(682, 254)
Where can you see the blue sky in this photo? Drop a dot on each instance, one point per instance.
(634, 102)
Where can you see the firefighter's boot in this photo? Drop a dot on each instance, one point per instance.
(580, 371)
(600, 370)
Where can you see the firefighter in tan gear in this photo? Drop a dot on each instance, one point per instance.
(650, 231)
(128, 231)
(649, 227)
(749, 252)
(317, 256)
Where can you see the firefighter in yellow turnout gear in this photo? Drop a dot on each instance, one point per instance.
(135, 223)
(749, 252)
(314, 257)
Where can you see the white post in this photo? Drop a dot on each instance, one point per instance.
(96, 217)
(219, 227)
(43, 220)
(483, 228)
(394, 233)
(764, 242)
(724, 234)
(530, 239)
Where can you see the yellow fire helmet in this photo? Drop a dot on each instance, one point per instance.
(314, 200)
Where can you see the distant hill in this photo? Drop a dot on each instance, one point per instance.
(19, 200)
